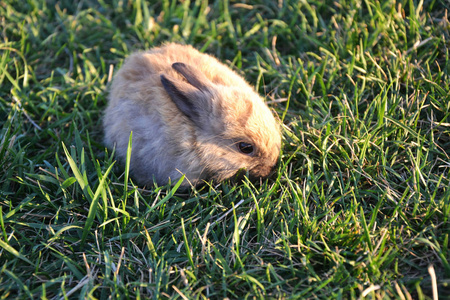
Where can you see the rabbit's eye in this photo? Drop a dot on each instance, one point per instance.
(245, 148)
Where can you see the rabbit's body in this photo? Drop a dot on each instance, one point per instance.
(188, 114)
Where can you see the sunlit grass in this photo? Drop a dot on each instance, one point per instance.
(360, 204)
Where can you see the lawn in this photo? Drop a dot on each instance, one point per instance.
(358, 208)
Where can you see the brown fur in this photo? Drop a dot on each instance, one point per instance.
(167, 142)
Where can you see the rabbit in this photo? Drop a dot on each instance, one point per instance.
(188, 114)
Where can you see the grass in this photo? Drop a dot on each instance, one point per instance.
(359, 207)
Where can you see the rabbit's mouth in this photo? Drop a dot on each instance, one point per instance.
(256, 173)
(263, 170)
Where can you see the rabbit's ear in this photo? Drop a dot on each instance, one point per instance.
(192, 75)
(189, 99)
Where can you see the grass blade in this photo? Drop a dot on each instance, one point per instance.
(94, 205)
(14, 252)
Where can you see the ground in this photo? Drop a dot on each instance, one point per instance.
(358, 208)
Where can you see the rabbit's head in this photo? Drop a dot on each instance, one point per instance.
(234, 129)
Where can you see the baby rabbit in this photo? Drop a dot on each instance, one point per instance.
(189, 114)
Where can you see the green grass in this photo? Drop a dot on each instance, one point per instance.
(359, 207)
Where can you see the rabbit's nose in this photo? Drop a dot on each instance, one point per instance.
(263, 170)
